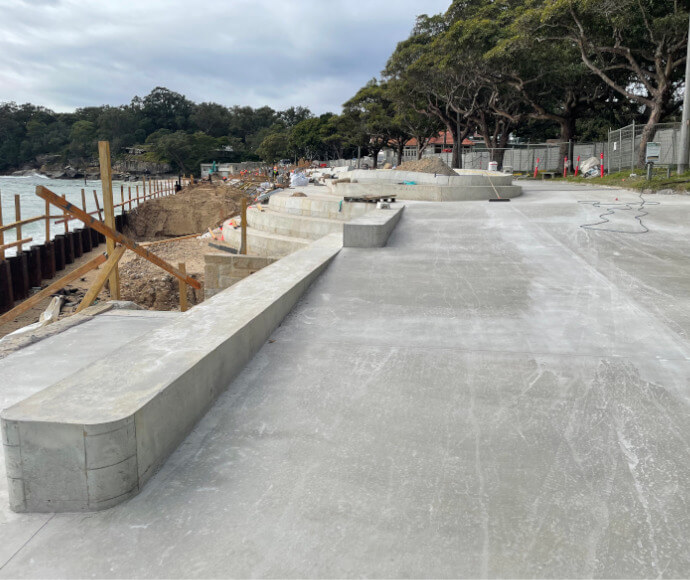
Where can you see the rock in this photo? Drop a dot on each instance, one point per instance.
(666, 192)
(47, 159)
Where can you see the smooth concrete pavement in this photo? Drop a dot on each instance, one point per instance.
(496, 393)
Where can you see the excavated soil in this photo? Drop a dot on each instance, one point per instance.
(430, 165)
(155, 289)
(192, 211)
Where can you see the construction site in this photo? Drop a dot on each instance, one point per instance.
(410, 372)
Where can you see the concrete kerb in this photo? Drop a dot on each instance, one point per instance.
(92, 440)
(371, 230)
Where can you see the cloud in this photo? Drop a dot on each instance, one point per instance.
(65, 54)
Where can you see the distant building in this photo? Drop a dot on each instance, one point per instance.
(228, 169)
(443, 144)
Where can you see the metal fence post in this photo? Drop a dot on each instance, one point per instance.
(632, 154)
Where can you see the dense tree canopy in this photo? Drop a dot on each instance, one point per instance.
(516, 66)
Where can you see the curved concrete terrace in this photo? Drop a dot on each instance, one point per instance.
(288, 223)
(497, 393)
(468, 185)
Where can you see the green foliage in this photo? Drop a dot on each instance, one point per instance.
(160, 119)
(274, 147)
(185, 151)
(82, 138)
(543, 68)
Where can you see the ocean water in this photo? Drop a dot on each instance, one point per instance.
(32, 205)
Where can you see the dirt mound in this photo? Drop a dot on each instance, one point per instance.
(153, 288)
(430, 165)
(192, 211)
(298, 194)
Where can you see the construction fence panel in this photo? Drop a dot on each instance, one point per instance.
(624, 144)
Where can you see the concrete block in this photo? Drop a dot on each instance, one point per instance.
(211, 273)
(372, 230)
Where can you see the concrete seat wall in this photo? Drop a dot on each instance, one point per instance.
(93, 439)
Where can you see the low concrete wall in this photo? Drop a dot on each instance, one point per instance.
(428, 192)
(224, 270)
(322, 206)
(467, 186)
(287, 224)
(94, 439)
(467, 177)
(265, 244)
(372, 230)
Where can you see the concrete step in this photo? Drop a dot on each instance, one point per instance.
(265, 244)
(318, 205)
(292, 225)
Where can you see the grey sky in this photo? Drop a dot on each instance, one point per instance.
(65, 54)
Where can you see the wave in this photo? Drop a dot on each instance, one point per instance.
(32, 176)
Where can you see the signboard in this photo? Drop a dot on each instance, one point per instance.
(653, 152)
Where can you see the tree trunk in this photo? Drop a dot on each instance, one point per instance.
(649, 131)
(567, 125)
(420, 151)
(498, 156)
(401, 150)
(375, 157)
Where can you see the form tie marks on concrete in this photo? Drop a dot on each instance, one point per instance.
(497, 392)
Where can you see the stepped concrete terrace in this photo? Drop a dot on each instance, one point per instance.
(466, 185)
(288, 224)
(498, 392)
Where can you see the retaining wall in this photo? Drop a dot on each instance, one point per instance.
(224, 270)
(27, 269)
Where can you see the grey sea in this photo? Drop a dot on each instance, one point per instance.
(31, 205)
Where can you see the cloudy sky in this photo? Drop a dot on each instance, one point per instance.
(65, 54)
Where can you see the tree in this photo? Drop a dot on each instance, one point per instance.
(165, 109)
(306, 138)
(83, 138)
(117, 125)
(211, 118)
(185, 151)
(443, 78)
(274, 147)
(376, 109)
(294, 115)
(636, 47)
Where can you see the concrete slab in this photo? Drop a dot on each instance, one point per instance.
(498, 392)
